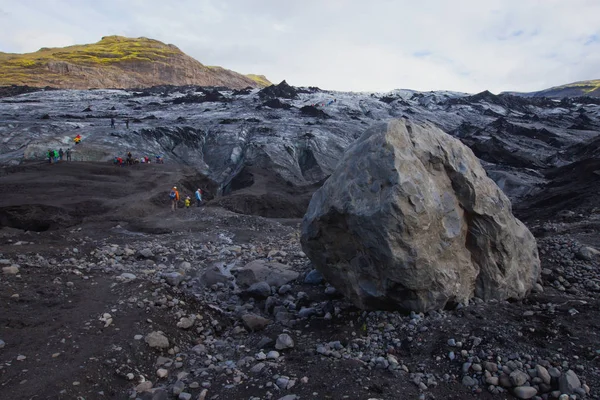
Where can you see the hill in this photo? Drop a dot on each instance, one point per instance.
(117, 62)
(576, 89)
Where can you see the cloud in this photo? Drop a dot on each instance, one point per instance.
(465, 45)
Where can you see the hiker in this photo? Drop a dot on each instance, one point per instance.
(55, 156)
(50, 154)
(174, 195)
(188, 201)
(147, 159)
(198, 197)
(60, 153)
(112, 123)
(129, 158)
(69, 154)
(127, 123)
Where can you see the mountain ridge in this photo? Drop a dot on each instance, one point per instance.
(117, 62)
(590, 88)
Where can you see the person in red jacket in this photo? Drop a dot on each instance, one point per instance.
(174, 195)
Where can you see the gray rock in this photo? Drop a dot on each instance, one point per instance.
(178, 387)
(524, 392)
(157, 339)
(185, 396)
(255, 322)
(314, 277)
(417, 176)
(260, 290)
(518, 378)
(257, 369)
(12, 270)
(289, 397)
(284, 341)
(307, 312)
(568, 382)
(185, 323)
(274, 273)
(468, 381)
(213, 276)
(173, 278)
(128, 276)
(273, 355)
(146, 253)
(282, 382)
(543, 374)
(587, 253)
(2, 344)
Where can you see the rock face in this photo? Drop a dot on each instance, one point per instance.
(409, 220)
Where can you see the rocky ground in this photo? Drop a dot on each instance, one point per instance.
(106, 293)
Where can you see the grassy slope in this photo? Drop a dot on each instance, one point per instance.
(586, 88)
(110, 52)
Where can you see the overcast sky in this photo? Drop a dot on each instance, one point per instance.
(353, 45)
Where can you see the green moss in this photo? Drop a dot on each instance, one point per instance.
(260, 79)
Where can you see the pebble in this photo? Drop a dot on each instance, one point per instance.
(203, 394)
(157, 339)
(524, 392)
(12, 270)
(21, 358)
(162, 373)
(284, 341)
(273, 355)
(185, 396)
(2, 344)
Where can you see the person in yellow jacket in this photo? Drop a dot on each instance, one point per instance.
(188, 201)
(174, 195)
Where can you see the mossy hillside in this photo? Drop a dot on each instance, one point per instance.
(260, 79)
(111, 55)
(586, 87)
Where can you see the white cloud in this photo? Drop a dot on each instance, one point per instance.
(466, 45)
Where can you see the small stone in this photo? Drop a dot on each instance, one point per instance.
(12, 270)
(185, 396)
(518, 378)
(143, 387)
(173, 278)
(146, 253)
(257, 369)
(178, 388)
(542, 373)
(284, 341)
(314, 277)
(2, 344)
(259, 290)
(130, 376)
(185, 323)
(138, 337)
(255, 322)
(157, 339)
(273, 355)
(162, 373)
(524, 392)
(128, 276)
(21, 358)
(468, 381)
(203, 394)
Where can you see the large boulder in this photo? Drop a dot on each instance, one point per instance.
(409, 220)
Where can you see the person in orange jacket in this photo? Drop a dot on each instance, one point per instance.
(174, 195)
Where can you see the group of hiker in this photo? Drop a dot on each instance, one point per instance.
(175, 198)
(130, 160)
(55, 156)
